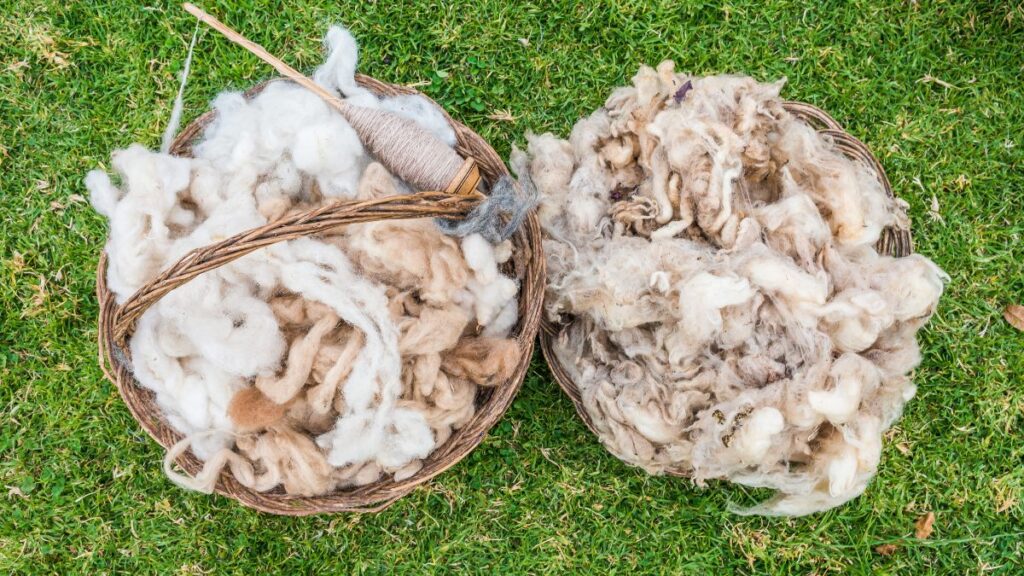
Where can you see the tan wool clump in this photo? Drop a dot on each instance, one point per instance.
(322, 362)
(722, 307)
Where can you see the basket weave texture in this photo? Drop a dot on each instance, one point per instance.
(894, 241)
(116, 322)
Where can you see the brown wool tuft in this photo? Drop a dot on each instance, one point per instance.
(250, 410)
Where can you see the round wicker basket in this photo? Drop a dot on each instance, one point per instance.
(116, 322)
(894, 241)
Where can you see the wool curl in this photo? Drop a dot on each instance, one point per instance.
(723, 310)
(319, 363)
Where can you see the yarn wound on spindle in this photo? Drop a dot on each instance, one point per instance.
(714, 291)
(322, 362)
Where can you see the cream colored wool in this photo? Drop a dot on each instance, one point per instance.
(725, 314)
(318, 363)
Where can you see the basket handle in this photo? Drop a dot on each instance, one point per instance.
(455, 202)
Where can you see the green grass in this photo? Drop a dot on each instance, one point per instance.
(934, 88)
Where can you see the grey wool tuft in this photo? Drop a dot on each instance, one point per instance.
(499, 215)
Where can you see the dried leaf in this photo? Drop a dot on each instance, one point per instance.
(40, 292)
(1005, 504)
(929, 79)
(1014, 314)
(17, 262)
(933, 211)
(924, 526)
(502, 116)
(17, 66)
(886, 549)
(59, 59)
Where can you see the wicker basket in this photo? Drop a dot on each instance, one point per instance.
(894, 242)
(527, 265)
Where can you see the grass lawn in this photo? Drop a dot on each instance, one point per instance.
(934, 88)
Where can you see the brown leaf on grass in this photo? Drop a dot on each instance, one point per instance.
(1006, 496)
(886, 549)
(1014, 314)
(929, 79)
(39, 297)
(1005, 504)
(933, 211)
(17, 263)
(15, 491)
(40, 292)
(502, 116)
(924, 526)
(17, 66)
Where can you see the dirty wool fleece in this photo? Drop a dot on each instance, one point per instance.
(722, 307)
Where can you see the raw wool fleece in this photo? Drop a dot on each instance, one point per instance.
(318, 363)
(723, 309)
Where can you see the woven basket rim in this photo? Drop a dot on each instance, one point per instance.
(894, 241)
(527, 264)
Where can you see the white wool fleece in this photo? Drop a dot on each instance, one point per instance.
(285, 365)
